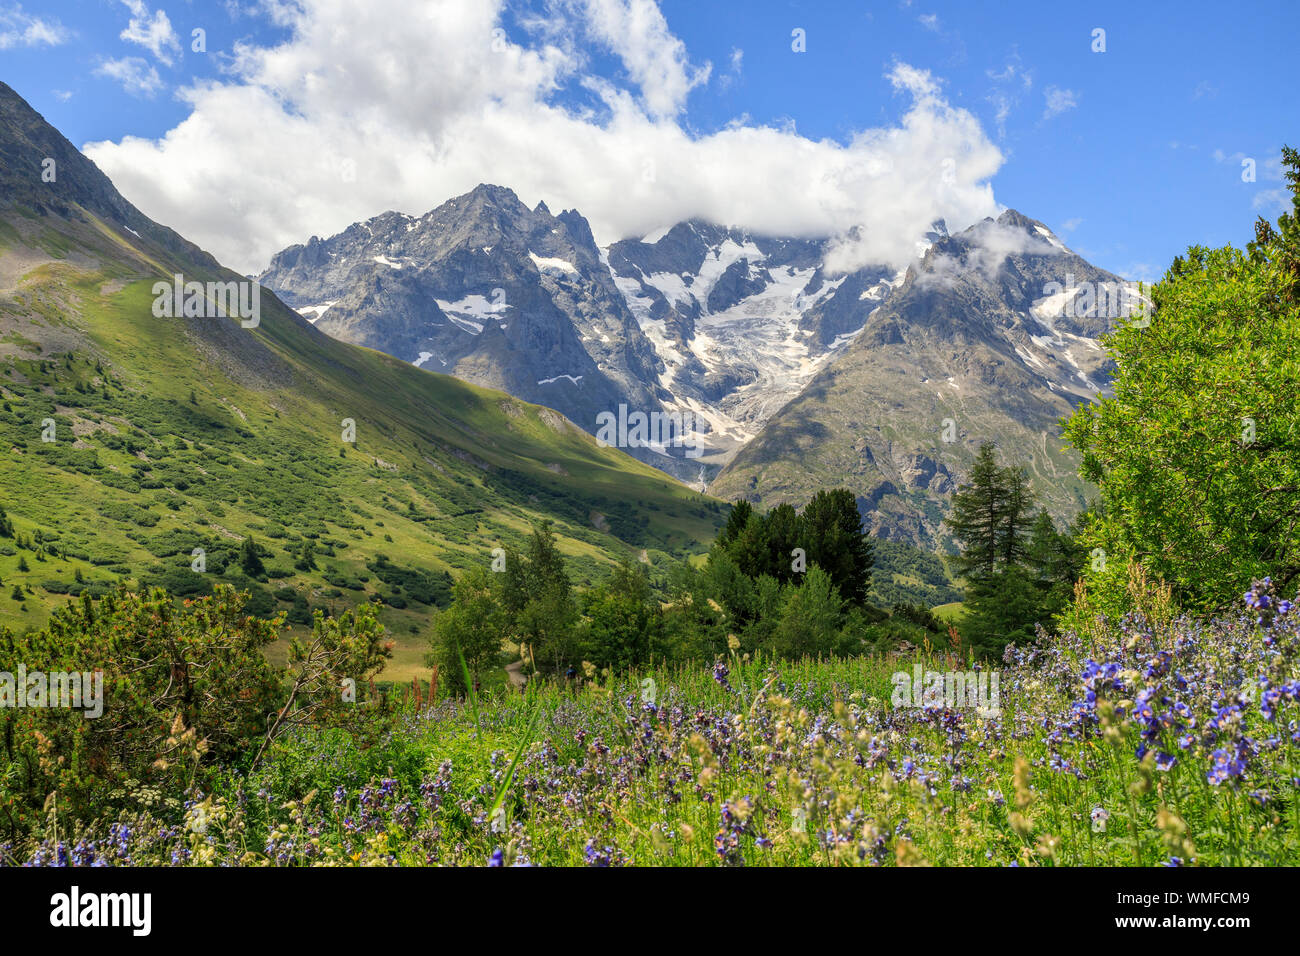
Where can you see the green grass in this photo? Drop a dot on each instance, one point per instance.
(950, 613)
(796, 763)
(197, 433)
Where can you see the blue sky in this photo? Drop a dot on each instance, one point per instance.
(1129, 154)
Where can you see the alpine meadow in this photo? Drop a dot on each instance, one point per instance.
(783, 499)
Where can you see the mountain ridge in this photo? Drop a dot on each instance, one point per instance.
(731, 328)
(359, 476)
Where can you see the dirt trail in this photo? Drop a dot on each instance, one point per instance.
(515, 672)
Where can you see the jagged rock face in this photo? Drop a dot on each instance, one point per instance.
(710, 323)
(794, 377)
(488, 290)
(740, 321)
(975, 344)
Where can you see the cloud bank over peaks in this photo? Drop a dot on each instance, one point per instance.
(346, 119)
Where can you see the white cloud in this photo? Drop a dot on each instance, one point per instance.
(153, 31)
(266, 156)
(991, 244)
(1071, 224)
(930, 21)
(655, 59)
(1009, 84)
(1058, 101)
(1272, 200)
(1143, 272)
(22, 29)
(725, 80)
(136, 75)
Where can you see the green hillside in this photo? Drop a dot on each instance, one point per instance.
(172, 434)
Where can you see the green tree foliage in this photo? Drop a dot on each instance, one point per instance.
(811, 617)
(836, 542)
(623, 622)
(181, 685)
(1020, 570)
(978, 517)
(548, 615)
(349, 648)
(829, 532)
(1055, 561)
(1002, 610)
(250, 558)
(471, 627)
(1197, 453)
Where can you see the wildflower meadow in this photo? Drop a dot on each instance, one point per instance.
(1146, 742)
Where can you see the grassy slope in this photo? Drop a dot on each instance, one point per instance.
(441, 471)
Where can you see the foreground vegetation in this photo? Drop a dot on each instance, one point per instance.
(1158, 741)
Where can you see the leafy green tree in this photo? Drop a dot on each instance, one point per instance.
(1197, 453)
(811, 617)
(623, 621)
(724, 583)
(306, 556)
(538, 598)
(470, 628)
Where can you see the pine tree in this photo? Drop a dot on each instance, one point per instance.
(782, 538)
(977, 518)
(1017, 516)
(1017, 565)
(249, 559)
(736, 521)
(750, 548)
(831, 526)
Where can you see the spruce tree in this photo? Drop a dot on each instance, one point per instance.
(249, 559)
(832, 534)
(977, 518)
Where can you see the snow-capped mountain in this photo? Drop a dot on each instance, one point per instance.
(990, 337)
(713, 325)
(732, 336)
(739, 321)
(490, 291)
